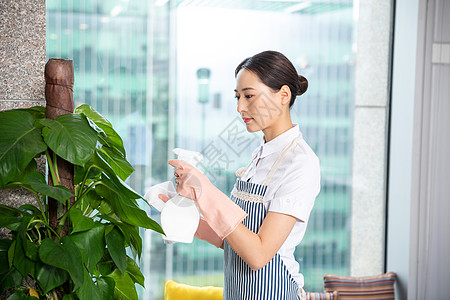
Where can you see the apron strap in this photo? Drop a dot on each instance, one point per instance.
(280, 159)
(241, 171)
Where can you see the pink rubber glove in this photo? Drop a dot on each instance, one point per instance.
(204, 231)
(219, 211)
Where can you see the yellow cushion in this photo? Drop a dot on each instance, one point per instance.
(179, 291)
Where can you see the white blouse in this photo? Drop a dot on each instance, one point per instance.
(292, 189)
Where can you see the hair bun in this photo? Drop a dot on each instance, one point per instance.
(302, 85)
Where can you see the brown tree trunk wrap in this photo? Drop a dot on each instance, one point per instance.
(59, 80)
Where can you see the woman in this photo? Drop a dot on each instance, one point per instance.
(265, 218)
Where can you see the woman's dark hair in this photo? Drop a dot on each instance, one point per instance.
(275, 70)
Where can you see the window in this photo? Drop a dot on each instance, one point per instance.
(163, 73)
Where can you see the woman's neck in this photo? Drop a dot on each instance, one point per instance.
(276, 129)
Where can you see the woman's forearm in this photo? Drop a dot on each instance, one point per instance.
(258, 249)
(207, 234)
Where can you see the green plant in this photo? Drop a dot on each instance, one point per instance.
(84, 256)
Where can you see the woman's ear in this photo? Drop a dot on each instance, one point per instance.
(285, 93)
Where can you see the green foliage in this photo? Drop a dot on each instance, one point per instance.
(20, 142)
(90, 261)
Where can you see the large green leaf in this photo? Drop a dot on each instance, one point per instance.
(119, 185)
(9, 216)
(116, 248)
(79, 221)
(119, 224)
(50, 277)
(8, 211)
(118, 163)
(130, 232)
(30, 209)
(18, 255)
(38, 112)
(64, 255)
(136, 241)
(124, 288)
(91, 244)
(20, 142)
(21, 180)
(93, 199)
(10, 222)
(20, 295)
(4, 246)
(88, 290)
(71, 137)
(105, 209)
(103, 124)
(11, 251)
(31, 249)
(126, 209)
(106, 286)
(38, 184)
(12, 278)
(22, 263)
(106, 265)
(133, 237)
(134, 272)
(80, 173)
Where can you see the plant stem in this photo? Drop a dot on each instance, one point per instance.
(55, 162)
(84, 181)
(28, 236)
(86, 210)
(64, 217)
(42, 210)
(89, 213)
(89, 188)
(53, 295)
(46, 225)
(40, 237)
(46, 222)
(37, 229)
(53, 173)
(40, 207)
(32, 221)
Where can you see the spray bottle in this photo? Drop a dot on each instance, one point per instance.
(180, 215)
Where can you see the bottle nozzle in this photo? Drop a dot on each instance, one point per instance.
(191, 157)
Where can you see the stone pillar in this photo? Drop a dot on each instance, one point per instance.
(22, 63)
(372, 88)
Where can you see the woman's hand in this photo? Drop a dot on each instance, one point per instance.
(190, 181)
(224, 217)
(219, 211)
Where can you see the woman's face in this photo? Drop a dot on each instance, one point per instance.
(259, 106)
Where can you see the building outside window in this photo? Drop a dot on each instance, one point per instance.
(163, 73)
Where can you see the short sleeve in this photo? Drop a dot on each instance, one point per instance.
(298, 189)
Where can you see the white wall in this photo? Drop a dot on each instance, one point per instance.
(418, 240)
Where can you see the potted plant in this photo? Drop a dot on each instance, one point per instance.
(84, 256)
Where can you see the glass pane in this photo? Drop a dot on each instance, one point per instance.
(163, 73)
(120, 51)
(318, 39)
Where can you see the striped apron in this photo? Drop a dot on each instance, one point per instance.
(273, 281)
